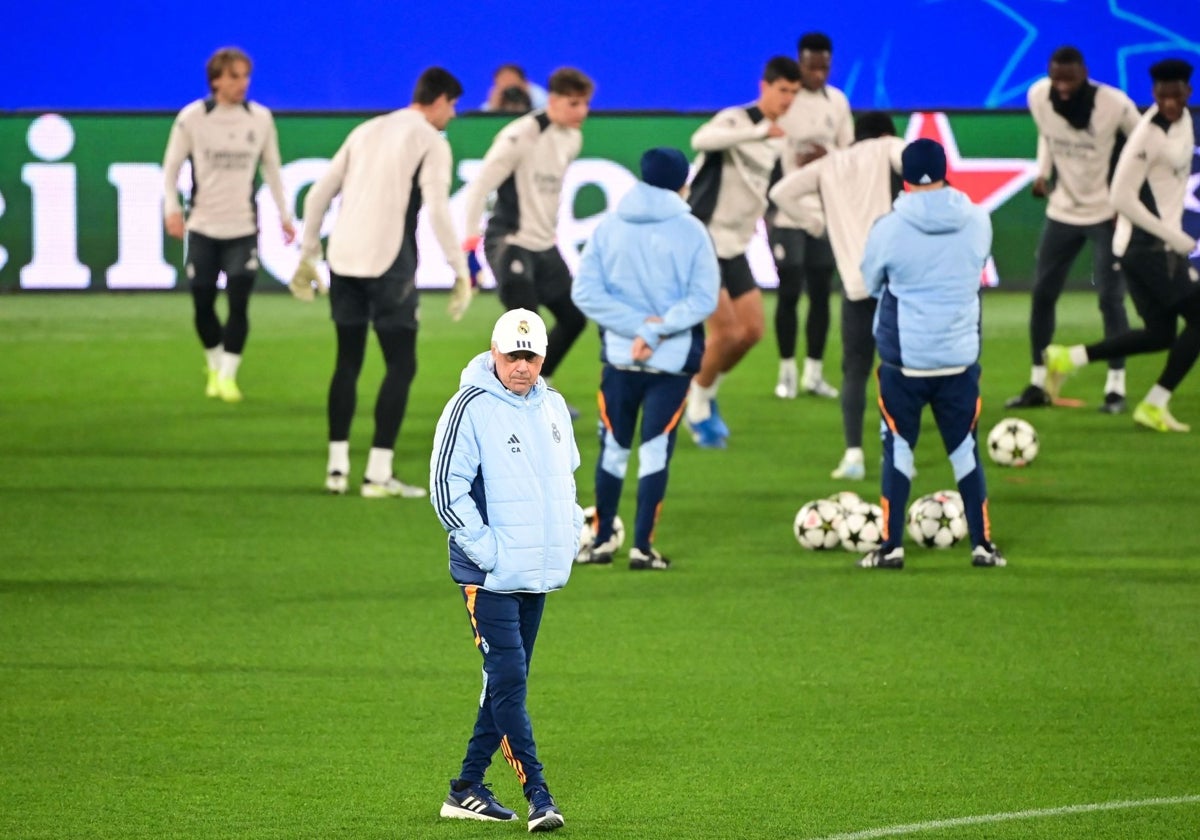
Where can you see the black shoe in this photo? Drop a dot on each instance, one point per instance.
(987, 557)
(651, 559)
(1114, 403)
(892, 558)
(1031, 397)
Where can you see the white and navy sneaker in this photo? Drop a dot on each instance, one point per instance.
(543, 812)
(651, 559)
(893, 558)
(984, 557)
(474, 802)
(599, 554)
(391, 488)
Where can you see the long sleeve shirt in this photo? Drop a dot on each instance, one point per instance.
(729, 190)
(385, 170)
(526, 166)
(1080, 158)
(1150, 183)
(226, 145)
(855, 187)
(815, 118)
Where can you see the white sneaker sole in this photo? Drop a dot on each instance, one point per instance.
(379, 491)
(454, 812)
(549, 822)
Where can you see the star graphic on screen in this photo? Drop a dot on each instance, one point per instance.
(1079, 23)
(989, 182)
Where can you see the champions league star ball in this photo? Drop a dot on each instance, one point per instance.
(846, 499)
(587, 534)
(816, 524)
(937, 520)
(861, 527)
(1012, 442)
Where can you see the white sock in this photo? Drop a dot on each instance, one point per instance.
(379, 465)
(854, 455)
(787, 366)
(339, 457)
(1037, 376)
(1115, 382)
(213, 355)
(699, 402)
(229, 365)
(1079, 356)
(1158, 396)
(812, 370)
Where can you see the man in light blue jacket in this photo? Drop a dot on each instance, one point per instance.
(923, 261)
(502, 481)
(649, 277)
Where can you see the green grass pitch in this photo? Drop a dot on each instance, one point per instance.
(196, 642)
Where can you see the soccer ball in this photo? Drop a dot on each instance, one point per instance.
(846, 499)
(937, 520)
(816, 524)
(1012, 442)
(587, 534)
(861, 527)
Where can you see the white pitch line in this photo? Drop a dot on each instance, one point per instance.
(934, 825)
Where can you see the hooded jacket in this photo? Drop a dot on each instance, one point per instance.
(650, 258)
(502, 481)
(923, 262)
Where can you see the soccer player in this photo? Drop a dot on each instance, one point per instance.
(818, 121)
(1078, 122)
(649, 278)
(740, 147)
(526, 164)
(922, 262)
(385, 170)
(1148, 191)
(227, 138)
(503, 478)
(855, 186)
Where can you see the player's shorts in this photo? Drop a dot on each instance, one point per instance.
(1158, 280)
(795, 248)
(520, 271)
(736, 276)
(207, 257)
(388, 301)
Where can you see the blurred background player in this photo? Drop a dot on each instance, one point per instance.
(739, 147)
(505, 79)
(923, 262)
(649, 278)
(817, 121)
(227, 138)
(526, 165)
(1148, 191)
(514, 100)
(385, 170)
(856, 186)
(1078, 124)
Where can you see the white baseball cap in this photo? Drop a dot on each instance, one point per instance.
(520, 329)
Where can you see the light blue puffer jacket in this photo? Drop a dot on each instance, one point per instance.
(924, 261)
(502, 480)
(650, 258)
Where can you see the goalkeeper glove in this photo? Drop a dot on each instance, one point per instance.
(306, 283)
(460, 297)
